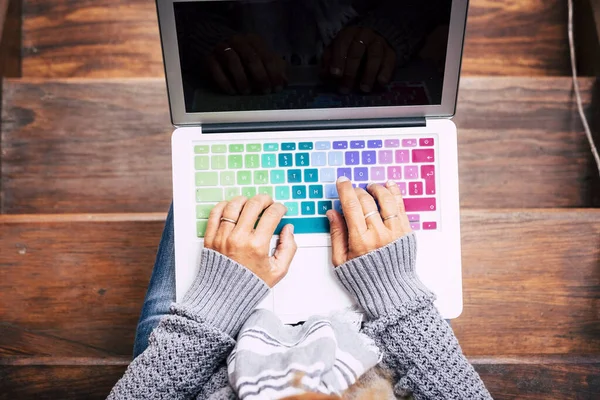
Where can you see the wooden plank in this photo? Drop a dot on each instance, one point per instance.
(531, 283)
(106, 38)
(524, 378)
(76, 146)
(10, 38)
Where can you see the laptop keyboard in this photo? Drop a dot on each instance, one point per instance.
(302, 175)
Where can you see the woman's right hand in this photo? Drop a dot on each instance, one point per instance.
(354, 235)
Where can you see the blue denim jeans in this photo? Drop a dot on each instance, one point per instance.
(161, 291)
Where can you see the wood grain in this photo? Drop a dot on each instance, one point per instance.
(104, 145)
(531, 283)
(10, 38)
(108, 38)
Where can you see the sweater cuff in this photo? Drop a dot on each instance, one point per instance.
(384, 279)
(224, 292)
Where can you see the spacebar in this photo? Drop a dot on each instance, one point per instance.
(305, 225)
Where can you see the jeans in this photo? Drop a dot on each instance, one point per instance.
(161, 291)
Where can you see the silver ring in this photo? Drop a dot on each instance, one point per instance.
(227, 49)
(370, 214)
(223, 219)
(390, 217)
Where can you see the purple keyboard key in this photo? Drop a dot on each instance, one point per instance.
(374, 144)
(377, 173)
(357, 144)
(409, 142)
(386, 156)
(363, 185)
(368, 157)
(411, 172)
(392, 142)
(340, 145)
(352, 158)
(361, 174)
(347, 172)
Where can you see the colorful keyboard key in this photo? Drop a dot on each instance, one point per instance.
(277, 176)
(402, 156)
(323, 207)
(207, 178)
(423, 156)
(261, 177)
(231, 192)
(415, 188)
(427, 142)
(292, 208)
(392, 143)
(244, 178)
(209, 195)
(249, 191)
(218, 148)
(323, 145)
(218, 162)
(386, 157)
(282, 192)
(201, 149)
(374, 144)
(203, 210)
(352, 157)
(298, 192)
(428, 173)
(227, 178)
(253, 147)
(347, 172)
(305, 225)
(271, 147)
(307, 208)
(315, 191)
(378, 174)
(357, 144)
(288, 146)
(368, 157)
(411, 172)
(327, 175)
(268, 190)
(201, 227)
(236, 148)
(305, 146)
(335, 158)
(394, 173)
(318, 159)
(251, 161)
(302, 160)
(294, 175)
(420, 204)
(429, 225)
(331, 192)
(268, 160)
(201, 163)
(285, 159)
(361, 174)
(409, 142)
(235, 161)
(311, 175)
(340, 145)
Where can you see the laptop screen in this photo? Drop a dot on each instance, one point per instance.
(292, 55)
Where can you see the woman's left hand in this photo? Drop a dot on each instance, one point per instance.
(231, 232)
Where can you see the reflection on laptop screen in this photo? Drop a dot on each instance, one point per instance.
(286, 54)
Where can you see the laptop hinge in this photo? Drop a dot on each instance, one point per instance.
(313, 125)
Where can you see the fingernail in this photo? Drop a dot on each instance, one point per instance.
(336, 71)
(329, 217)
(343, 179)
(390, 183)
(291, 228)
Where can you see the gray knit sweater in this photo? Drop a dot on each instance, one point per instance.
(187, 351)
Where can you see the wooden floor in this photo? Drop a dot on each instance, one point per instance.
(85, 184)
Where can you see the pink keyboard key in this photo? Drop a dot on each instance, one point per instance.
(429, 225)
(428, 173)
(394, 173)
(413, 217)
(409, 142)
(391, 143)
(411, 172)
(377, 173)
(426, 142)
(385, 157)
(420, 204)
(402, 186)
(424, 155)
(402, 156)
(415, 188)
(415, 226)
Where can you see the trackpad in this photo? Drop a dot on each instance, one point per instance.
(310, 287)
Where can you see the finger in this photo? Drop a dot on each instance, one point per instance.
(339, 51)
(273, 64)
(355, 219)
(387, 205)
(403, 218)
(232, 211)
(374, 60)
(285, 250)
(339, 238)
(367, 202)
(387, 66)
(233, 63)
(269, 220)
(356, 51)
(252, 210)
(212, 226)
(219, 76)
(253, 63)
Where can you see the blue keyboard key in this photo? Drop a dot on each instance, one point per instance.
(318, 159)
(323, 145)
(324, 206)
(352, 158)
(311, 175)
(302, 159)
(357, 144)
(337, 206)
(335, 158)
(292, 207)
(305, 225)
(327, 175)
(315, 192)
(361, 174)
(347, 172)
(305, 146)
(307, 208)
(270, 147)
(298, 192)
(288, 146)
(369, 157)
(331, 192)
(294, 175)
(340, 145)
(374, 144)
(285, 159)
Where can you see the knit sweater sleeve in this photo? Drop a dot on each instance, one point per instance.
(190, 345)
(420, 348)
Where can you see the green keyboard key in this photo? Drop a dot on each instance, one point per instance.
(277, 176)
(268, 161)
(209, 195)
(307, 208)
(249, 191)
(227, 178)
(315, 191)
(201, 162)
(235, 161)
(218, 162)
(203, 210)
(271, 147)
(253, 147)
(201, 227)
(266, 190)
(201, 149)
(244, 178)
(261, 177)
(251, 161)
(292, 207)
(305, 225)
(218, 148)
(282, 193)
(207, 178)
(231, 192)
(236, 148)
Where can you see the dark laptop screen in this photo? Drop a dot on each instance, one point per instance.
(289, 54)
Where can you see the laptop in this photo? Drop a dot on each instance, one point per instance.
(293, 133)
